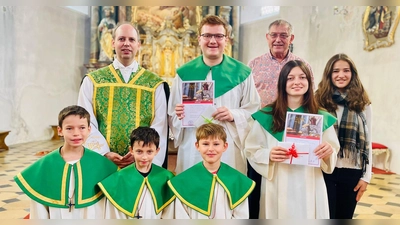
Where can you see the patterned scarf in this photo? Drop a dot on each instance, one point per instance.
(352, 134)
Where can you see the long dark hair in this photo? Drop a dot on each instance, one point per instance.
(280, 105)
(357, 97)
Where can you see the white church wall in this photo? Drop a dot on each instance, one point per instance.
(42, 52)
(43, 49)
(319, 34)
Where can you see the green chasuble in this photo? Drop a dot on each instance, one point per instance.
(265, 119)
(227, 75)
(47, 180)
(195, 186)
(120, 107)
(124, 188)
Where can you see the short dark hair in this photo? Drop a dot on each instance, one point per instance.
(146, 134)
(73, 110)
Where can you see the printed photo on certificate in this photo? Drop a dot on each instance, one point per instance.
(303, 129)
(197, 96)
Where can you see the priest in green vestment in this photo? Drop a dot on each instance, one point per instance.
(123, 96)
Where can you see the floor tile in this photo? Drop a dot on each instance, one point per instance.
(380, 201)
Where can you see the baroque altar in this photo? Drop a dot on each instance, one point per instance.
(168, 34)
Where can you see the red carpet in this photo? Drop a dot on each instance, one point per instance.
(380, 171)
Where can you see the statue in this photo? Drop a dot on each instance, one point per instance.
(177, 19)
(145, 60)
(105, 29)
(168, 58)
(198, 12)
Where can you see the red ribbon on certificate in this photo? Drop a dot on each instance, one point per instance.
(292, 151)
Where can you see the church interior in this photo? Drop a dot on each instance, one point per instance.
(41, 72)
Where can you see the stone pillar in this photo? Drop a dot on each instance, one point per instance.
(94, 41)
(121, 14)
(236, 26)
(211, 10)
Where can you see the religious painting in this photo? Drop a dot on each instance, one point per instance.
(197, 97)
(379, 25)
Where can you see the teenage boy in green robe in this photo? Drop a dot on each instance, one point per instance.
(234, 95)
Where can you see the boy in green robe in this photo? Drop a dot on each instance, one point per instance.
(140, 190)
(211, 189)
(63, 184)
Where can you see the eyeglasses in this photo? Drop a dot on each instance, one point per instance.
(281, 36)
(218, 37)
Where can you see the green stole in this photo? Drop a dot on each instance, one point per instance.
(265, 119)
(47, 180)
(195, 186)
(120, 107)
(124, 188)
(227, 75)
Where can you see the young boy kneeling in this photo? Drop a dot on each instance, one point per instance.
(140, 190)
(211, 189)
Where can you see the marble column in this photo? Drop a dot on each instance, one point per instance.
(235, 31)
(121, 14)
(94, 42)
(211, 10)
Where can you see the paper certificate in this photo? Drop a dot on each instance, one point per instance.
(299, 152)
(197, 96)
(303, 129)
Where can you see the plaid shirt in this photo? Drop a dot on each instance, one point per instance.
(265, 70)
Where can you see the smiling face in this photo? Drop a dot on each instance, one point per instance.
(126, 44)
(144, 155)
(297, 83)
(341, 75)
(211, 149)
(279, 40)
(75, 129)
(212, 48)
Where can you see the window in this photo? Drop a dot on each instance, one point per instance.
(269, 10)
(254, 13)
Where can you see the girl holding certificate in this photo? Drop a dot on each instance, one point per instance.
(290, 191)
(342, 94)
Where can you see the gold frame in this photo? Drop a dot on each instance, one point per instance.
(377, 38)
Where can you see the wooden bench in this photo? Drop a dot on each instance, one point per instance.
(3, 135)
(55, 132)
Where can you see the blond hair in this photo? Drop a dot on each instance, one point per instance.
(211, 130)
